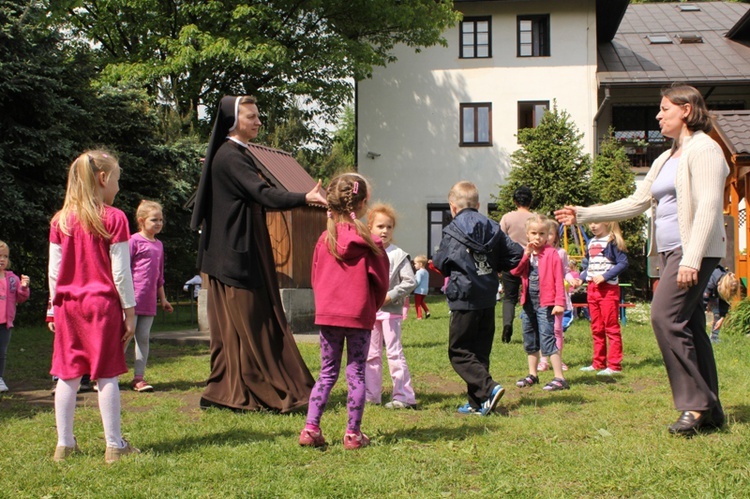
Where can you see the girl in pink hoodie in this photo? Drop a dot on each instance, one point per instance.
(350, 281)
(12, 290)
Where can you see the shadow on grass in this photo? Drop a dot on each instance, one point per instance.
(541, 400)
(433, 433)
(179, 385)
(739, 413)
(232, 436)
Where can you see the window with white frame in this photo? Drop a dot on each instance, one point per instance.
(533, 36)
(476, 124)
(476, 37)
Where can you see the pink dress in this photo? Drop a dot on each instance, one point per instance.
(88, 314)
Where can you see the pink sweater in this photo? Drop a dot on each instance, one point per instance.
(348, 292)
(551, 288)
(15, 294)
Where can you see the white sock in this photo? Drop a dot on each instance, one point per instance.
(65, 407)
(109, 407)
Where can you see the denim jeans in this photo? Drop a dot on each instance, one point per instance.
(538, 329)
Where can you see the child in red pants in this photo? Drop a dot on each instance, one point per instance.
(605, 261)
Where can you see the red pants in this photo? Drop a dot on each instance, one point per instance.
(604, 307)
(419, 304)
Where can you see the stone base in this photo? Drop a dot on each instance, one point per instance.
(203, 310)
(299, 308)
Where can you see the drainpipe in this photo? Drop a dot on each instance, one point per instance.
(596, 119)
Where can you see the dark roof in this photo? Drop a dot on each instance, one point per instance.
(734, 129)
(631, 59)
(281, 169)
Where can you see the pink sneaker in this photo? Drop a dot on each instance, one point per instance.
(311, 438)
(564, 366)
(542, 366)
(355, 440)
(141, 386)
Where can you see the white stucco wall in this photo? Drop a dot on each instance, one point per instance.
(408, 112)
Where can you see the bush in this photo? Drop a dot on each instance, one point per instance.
(737, 321)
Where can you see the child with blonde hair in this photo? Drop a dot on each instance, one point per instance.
(472, 251)
(723, 286)
(605, 260)
(350, 281)
(147, 265)
(542, 298)
(13, 290)
(423, 286)
(92, 300)
(553, 239)
(381, 219)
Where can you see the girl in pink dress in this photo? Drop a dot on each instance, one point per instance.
(91, 296)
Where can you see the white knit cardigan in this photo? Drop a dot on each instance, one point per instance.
(699, 182)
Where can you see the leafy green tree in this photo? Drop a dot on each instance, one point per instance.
(288, 53)
(611, 180)
(551, 162)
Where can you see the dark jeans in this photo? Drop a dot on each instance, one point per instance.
(4, 342)
(511, 287)
(679, 323)
(469, 346)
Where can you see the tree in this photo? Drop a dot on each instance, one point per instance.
(288, 53)
(611, 180)
(551, 162)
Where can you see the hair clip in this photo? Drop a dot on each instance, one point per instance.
(355, 188)
(353, 215)
(328, 214)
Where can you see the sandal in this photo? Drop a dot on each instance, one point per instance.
(556, 384)
(527, 381)
(542, 366)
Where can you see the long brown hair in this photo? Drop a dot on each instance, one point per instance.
(82, 197)
(699, 117)
(346, 193)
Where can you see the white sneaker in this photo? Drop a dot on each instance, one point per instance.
(3, 386)
(588, 368)
(608, 372)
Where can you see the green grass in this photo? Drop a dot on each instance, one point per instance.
(602, 438)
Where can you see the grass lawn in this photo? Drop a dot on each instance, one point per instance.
(602, 438)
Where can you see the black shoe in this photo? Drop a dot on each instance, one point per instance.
(688, 425)
(507, 333)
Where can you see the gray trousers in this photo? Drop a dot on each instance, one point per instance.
(679, 323)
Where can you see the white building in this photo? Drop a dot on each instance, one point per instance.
(452, 113)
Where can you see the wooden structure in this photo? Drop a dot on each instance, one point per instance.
(732, 132)
(293, 232)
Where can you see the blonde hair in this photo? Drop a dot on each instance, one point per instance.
(615, 234)
(144, 209)
(463, 195)
(4, 246)
(554, 228)
(536, 218)
(382, 209)
(82, 198)
(421, 259)
(728, 287)
(346, 193)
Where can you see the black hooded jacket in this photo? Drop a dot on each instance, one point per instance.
(472, 252)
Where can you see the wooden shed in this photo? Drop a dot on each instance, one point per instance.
(732, 131)
(293, 232)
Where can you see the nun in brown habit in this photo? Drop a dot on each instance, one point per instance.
(255, 363)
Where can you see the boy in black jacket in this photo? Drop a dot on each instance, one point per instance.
(472, 252)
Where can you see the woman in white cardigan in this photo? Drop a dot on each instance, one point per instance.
(684, 190)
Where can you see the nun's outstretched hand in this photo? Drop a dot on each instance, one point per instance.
(566, 215)
(315, 196)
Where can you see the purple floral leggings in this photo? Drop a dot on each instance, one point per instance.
(331, 350)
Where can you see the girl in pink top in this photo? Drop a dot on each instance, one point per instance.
(350, 280)
(147, 265)
(91, 297)
(12, 291)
